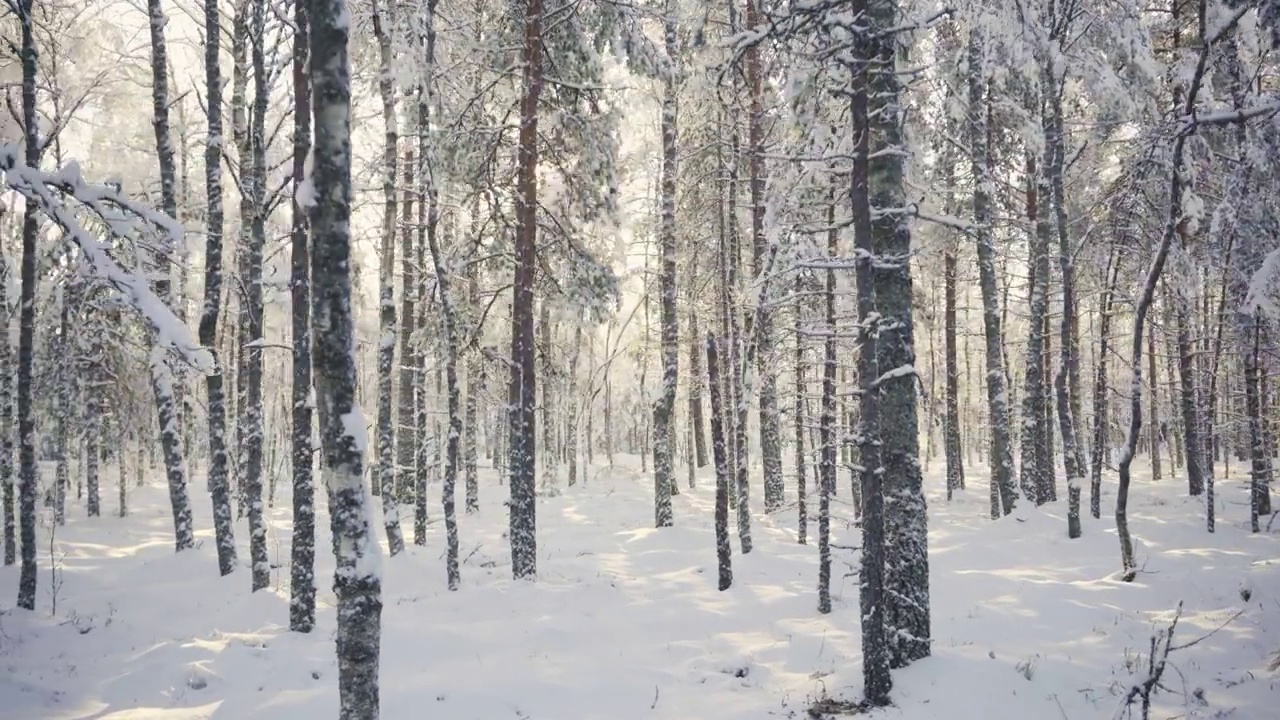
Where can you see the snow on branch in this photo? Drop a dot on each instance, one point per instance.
(1257, 298)
(1226, 117)
(50, 191)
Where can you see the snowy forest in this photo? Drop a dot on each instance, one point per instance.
(571, 359)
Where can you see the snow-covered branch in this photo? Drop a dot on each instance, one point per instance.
(50, 191)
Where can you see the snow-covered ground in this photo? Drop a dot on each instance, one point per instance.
(625, 621)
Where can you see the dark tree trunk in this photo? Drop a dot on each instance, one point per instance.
(358, 576)
(449, 313)
(1192, 446)
(1101, 414)
(802, 531)
(1003, 495)
(162, 386)
(697, 422)
(1153, 433)
(219, 486)
(868, 177)
(386, 481)
(1259, 461)
(770, 433)
(951, 418)
(664, 406)
(260, 565)
(1033, 473)
(27, 323)
(302, 584)
(827, 426)
(523, 526)
(720, 453)
(6, 423)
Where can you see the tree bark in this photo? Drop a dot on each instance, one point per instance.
(724, 550)
(664, 406)
(358, 575)
(1003, 495)
(302, 569)
(219, 486)
(27, 322)
(386, 481)
(162, 386)
(523, 505)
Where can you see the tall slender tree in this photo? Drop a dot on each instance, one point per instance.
(357, 578)
(302, 583)
(523, 460)
(219, 484)
(664, 406)
(27, 320)
(161, 372)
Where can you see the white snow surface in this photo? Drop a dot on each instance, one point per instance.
(624, 621)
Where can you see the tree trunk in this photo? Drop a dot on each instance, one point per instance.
(386, 291)
(724, 550)
(951, 418)
(219, 486)
(1192, 446)
(1033, 474)
(664, 406)
(260, 565)
(358, 575)
(449, 312)
(6, 423)
(572, 405)
(302, 568)
(162, 385)
(827, 425)
(802, 510)
(1067, 381)
(906, 568)
(1154, 433)
(1101, 414)
(523, 528)
(870, 176)
(1259, 461)
(1003, 495)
